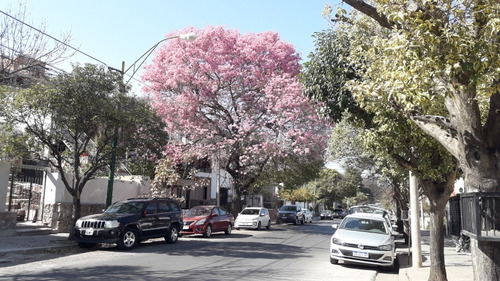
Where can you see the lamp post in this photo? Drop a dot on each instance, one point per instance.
(135, 67)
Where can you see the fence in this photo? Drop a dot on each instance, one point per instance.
(480, 215)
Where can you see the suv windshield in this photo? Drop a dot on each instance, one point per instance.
(289, 208)
(125, 207)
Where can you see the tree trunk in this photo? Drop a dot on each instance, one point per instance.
(77, 210)
(236, 205)
(438, 194)
(438, 268)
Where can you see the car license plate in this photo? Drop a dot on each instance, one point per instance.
(89, 231)
(185, 227)
(359, 254)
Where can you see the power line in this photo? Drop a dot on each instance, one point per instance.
(53, 38)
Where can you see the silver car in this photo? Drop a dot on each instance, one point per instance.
(364, 239)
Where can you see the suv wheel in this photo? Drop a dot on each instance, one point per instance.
(128, 239)
(172, 235)
(302, 220)
(268, 224)
(208, 231)
(258, 226)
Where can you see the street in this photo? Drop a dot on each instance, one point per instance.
(286, 252)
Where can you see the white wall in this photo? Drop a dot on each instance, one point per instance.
(95, 191)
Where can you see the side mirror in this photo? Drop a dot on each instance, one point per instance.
(394, 233)
(215, 215)
(335, 226)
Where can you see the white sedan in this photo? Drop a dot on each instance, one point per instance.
(364, 239)
(253, 218)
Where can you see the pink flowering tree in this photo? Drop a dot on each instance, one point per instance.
(235, 97)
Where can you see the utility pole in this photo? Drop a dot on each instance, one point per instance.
(416, 249)
(111, 178)
(134, 67)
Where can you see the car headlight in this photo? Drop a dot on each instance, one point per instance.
(111, 224)
(78, 223)
(385, 247)
(201, 222)
(337, 241)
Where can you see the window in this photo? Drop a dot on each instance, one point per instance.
(164, 207)
(151, 208)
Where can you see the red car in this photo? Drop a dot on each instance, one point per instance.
(207, 220)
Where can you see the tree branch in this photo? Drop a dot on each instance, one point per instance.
(437, 120)
(439, 134)
(370, 11)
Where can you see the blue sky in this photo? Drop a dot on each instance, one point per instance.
(122, 30)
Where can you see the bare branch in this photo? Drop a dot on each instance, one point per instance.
(26, 51)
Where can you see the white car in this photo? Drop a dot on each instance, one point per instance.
(253, 218)
(308, 216)
(364, 239)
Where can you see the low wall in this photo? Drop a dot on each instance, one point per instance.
(59, 215)
(8, 222)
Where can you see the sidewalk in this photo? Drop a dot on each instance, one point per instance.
(30, 238)
(458, 265)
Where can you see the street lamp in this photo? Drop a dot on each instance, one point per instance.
(141, 60)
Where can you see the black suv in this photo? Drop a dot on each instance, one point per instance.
(290, 213)
(130, 221)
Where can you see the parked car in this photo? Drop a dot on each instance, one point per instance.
(308, 216)
(326, 215)
(206, 220)
(253, 218)
(373, 210)
(130, 221)
(290, 214)
(338, 213)
(364, 239)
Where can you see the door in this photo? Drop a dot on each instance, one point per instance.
(150, 222)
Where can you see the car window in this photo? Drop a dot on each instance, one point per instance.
(365, 225)
(151, 208)
(288, 208)
(250, 212)
(174, 207)
(198, 211)
(222, 212)
(164, 207)
(125, 207)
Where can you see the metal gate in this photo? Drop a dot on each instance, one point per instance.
(26, 191)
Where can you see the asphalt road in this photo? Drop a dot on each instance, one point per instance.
(285, 252)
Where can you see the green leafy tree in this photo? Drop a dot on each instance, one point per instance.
(71, 120)
(389, 134)
(441, 54)
(301, 194)
(293, 172)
